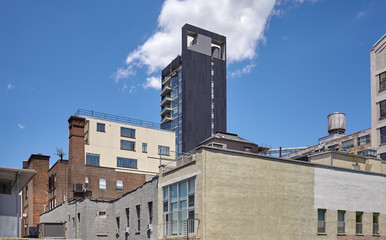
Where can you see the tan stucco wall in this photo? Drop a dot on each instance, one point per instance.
(108, 145)
(246, 196)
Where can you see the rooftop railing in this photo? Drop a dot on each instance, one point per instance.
(116, 118)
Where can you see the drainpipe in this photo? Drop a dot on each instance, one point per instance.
(331, 156)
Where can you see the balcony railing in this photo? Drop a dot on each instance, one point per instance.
(166, 100)
(166, 89)
(167, 108)
(187, 228)
(166, 119)
(166, 80)
(115, 118)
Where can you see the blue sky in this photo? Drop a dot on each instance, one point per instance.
(291, 64)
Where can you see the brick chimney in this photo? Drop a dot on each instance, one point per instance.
(76, 152)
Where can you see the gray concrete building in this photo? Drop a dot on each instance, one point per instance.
(12, 181)
(193, 95)
(378, 96)
(128, 217)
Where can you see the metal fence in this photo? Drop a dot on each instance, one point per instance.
(116, 118)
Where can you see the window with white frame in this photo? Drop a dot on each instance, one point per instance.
(178, 208)
(102, 183)
(119, 185)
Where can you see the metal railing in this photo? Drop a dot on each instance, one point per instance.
(186, 228)
(116, 118)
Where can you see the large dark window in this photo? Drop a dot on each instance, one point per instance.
(126, 162)
(127, 132)
(383, 157)
(100, 127)
(92, 159)
(382, 109)
(382, 81)
(127, 145)
(383, 134)
(163, 150)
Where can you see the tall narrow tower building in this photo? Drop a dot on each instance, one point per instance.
(193, 95)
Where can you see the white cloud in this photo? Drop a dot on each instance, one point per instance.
(153, 82)
(21, 126)
(123, 73)
(9, 87)
(241, 21)
(245, 70)
(360, 14)
(284, 37)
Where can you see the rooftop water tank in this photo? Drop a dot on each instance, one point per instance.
(336, 123)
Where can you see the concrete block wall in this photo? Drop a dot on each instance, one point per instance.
(89, 219)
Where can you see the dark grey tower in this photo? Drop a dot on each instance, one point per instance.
(193, 95)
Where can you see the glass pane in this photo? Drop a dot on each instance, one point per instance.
(165, 193)
(173, 207)
(182, 191)
(191, 200)
(182, 205)
(321, 214)
(174, 223)
(173, 192)
(166, 203)
(192, 185)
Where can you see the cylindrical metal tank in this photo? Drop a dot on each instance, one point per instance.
(336, 123)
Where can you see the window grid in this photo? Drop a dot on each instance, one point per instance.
(382, 109)
(126, 162)
(163, 150)
(382, 81)
(358, 220)
(365, 140)
(321, 220)
(127, 132)
(347, 144)
(341, 221)
(144, 147)
(101, 127)
(92, 159)
(127, 145)
(178, 207)
(375, 223)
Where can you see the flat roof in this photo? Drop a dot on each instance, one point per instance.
(9, 174)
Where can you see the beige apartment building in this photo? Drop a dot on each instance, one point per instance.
(378, 96)
(229, 194)
(126, 144)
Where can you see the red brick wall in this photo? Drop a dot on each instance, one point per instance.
(60, 190)
(37, 190)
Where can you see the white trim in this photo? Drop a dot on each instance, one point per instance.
(178, 179)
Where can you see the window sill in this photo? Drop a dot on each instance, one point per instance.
(341, 234)
(359, 234)
(320, 233)
(376, 235)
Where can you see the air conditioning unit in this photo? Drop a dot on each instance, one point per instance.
(150, 227)
(78, 187)
(127, 230)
